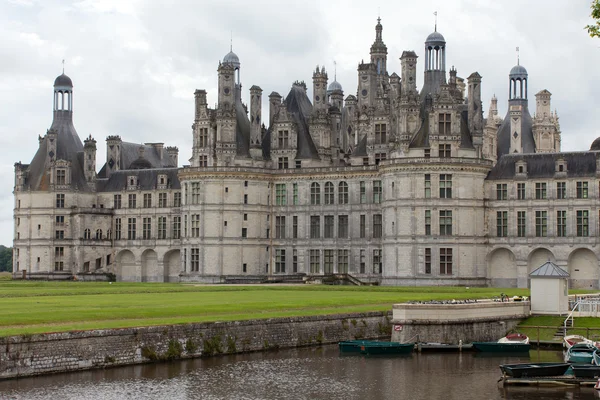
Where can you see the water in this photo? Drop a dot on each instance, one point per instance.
(310, 373)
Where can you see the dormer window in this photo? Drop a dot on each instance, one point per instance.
(162, 181)
(132, 182)
(61, 177)
(560, 166)
(521, 169)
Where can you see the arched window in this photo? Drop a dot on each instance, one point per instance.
(99, 234)
(343, 193)
(315, 193)
(87, 234)
(329, 193)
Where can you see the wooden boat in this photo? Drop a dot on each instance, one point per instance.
(586, 370)
(570, 340)
(525, 370)
(353, 346)
(581, 353)
(596, 357)
(386, 348)
(515, 338)
(497, 347)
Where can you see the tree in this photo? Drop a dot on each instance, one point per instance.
(5, 258)
(594, 30)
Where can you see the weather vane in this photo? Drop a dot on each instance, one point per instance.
(63, 62)
(518, 57)
(334, 70)
(435, 13)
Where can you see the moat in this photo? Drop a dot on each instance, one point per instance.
(306, 373)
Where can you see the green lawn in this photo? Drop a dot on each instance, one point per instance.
(36, 307)
(549, 325)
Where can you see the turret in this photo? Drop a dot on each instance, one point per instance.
(475, 111)
(435, 63)
(113, 154)
(274, 104)
(173, 153)
(89, 161)
(320, 89)
(409, 72)
(379, 51)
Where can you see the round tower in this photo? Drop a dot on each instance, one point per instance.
(63, 93)
(518, 83)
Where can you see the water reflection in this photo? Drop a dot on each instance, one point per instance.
(312, 373)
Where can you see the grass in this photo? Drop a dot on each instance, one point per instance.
(549, 325)
(5, 276)
(40, 307)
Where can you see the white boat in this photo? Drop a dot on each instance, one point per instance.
(515, 338)
(570, 340)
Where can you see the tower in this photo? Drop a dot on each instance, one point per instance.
(408, 62)
(546, 129)
(274, 104)
(113, 154)
(255, 122)
(320, 89)
(379, 51)
(229, 94)
(475, 110)
(435, 63)
(89, 161)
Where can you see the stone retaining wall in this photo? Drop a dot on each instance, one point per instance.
(28, 355)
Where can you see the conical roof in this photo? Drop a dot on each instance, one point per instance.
(549, 270)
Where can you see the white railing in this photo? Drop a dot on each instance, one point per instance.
(570, 317)
(588, 306)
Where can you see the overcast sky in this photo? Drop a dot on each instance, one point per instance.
(136, 63)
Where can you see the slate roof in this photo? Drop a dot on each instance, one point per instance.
(543, 165)
(300, 108)
(421, 139)
(147, 179)
(242, 130)
(504, 133)
(549, 270)
(466, 140)
(130, 157)
(361, 148)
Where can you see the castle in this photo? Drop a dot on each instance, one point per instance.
(395, 185)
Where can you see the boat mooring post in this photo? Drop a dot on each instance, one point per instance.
(460, 345)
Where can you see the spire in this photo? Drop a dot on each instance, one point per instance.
(334, 70)
(63, 62)
(518, 57)
(231, 41)
(435, 26)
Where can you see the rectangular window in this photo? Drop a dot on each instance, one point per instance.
(132, 200)
(380, 157)
(280, 227)
(343, 193)
(117, 201)
(118, 229)
(295, 227)
(60, 200)
(280, 194)
(583, 220)
(131, 228)
(295, 193)
(561, 190)
(315, 261)
(203, 137)
(445, 186)
(540, 190)
(162, 228)
(501, 191)
(377, 226)
(363, 192)
(59, 234)
(328, 262)
(146, 228)
(244, 232)
(329, 221)
(294, 261)
(315, 193)
(561, 223)
(59, 251)
(427, 153)
(363, 261)
(195, 193)
(245, 199)
(377, 192)
(60, 220)
(162, 200)
(195, 259)
(428, 260)
(283, 139)
(445, 222)
(279, 261)
(445, 261)
(203, 161)
(428, 222)
(176, 227)
(176, 199)
(58, 265)
(582, 190)
(377, 264)
(147, 200)
(342, 226)
(445, 124)
(502, 223)
(427, 186)
(61, 177)
(541, 223)
(521, 224)
(195, 222)
(363, 226)
(282, 163)
(380, 133)
(444, 151)
(315, 227)
(520, 191)
(342, 262)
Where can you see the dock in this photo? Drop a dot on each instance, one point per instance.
(546, 381)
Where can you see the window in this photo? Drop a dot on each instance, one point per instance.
(176, 227)
(295, 227)
(315, 226)
(176, 199)
(445, 222)
(444, 151)
(98, 234)
(380, 133)
(108, 234)
(342, 226)
(294, 261)
(280, 227)
(541, 223)
(59, 251)
(162, 200)
(295, 193)
(366, 161)
(131, 228)
(61, 177)
(245, 217)
(244, 232)
(427, 186)
(282, 163)
(427, 222)
(195, 224)
(283, 139)
(363, 192)
(428, 260)
(561, 190)
(60, 200)
(195, 259)
(561, 223)
(59, 234)
(60, 220)
(117, 201)
(342, 261)
(162, 228)
(203, 137)
(380, 157)
(245, 199)
(502, 223)
(279, 261)
(329, 193)
(328, 262)
(147, 200)
(363, 261)
(132, 200)
(315, 261)
(343, 193)
(520, 191)
(203, 161)
(501, 191)
(298, 163)
(377, 226)
(87, 234)
(445, 124)
(329, 221)
(427, 153)
(195, 193)
(280, 194)
(582, 190)
(118, 229)
(377, 191)
(58, 265)
(445, 186)
(377, 264)
(521, 224)
(363, 226)
(583, 223)
(315, 193)
(146, 228)
(540, 190)
(445, 261)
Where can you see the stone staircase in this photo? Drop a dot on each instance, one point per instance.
(562, 331)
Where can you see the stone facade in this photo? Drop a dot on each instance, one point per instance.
(393, 185)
